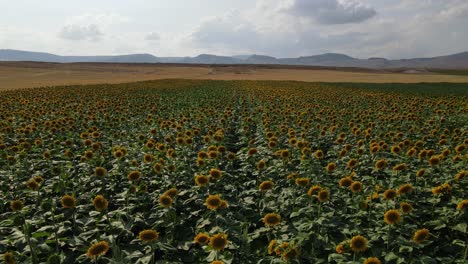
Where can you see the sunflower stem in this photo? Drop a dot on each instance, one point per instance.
(388, 236)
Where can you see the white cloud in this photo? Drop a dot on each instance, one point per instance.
(331, 11)
(81, 32)
(153, 36)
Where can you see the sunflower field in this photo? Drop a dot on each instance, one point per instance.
(200, 171)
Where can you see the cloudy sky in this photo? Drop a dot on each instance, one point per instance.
(282, 28)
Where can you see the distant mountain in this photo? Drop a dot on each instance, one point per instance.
(17, 55)
(454, 61)
(212, 59)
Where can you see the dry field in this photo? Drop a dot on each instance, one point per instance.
(28, 74)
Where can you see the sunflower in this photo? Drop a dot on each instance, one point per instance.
(38, 179)
(223, 204)
(213, 202)
(420, 172)
(213, 154)
(202, 154)
(272, 246)
(201, 180)
(323, 195)
(202, 238)
(358, 244)
(157, 168)
(392, 217)
(314, 189)
(134, 176)
(395, 149)
(9, 258)
(231, 156)
(272, 219)
(98, 249)
(331, 167)
(442, 189)
(219, 241)
(352, 163)
(252, 151)
(148, 158)
(434, 160)
(390, 194)
(405, 188)
(406, 208)
(261, 165)
(303, 182)
(400, 167)
(345, 182)
(165, 201)
(319, 154)
(380, 164)
(148, 235)
(461, 175)
(340, 248)
(279, 250)
(215, 174)
(266, 185)
(462, 205)
(32, 184)
(68, 201)
(217, 262)
(421, 235)
(100, 172)
(100, 203)
(356, 186)
(284, 154)
(372, 260)
(290, 253)
(171, 192)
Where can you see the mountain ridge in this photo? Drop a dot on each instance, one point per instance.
(453, 61)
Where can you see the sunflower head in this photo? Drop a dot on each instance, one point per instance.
(290, 253)
(421, 235)
(372, 260)
(272, 219)
(266, 185)
(100, 172)
(331, 167)
(148, 235)
(202, 238)
(358, 244)
(98, 249)
(314, 190)
(201, 180)
(100, 203)
(213, 202)
(68, 201)
(215, 174)
(302, 182)
(405, 188)
(272, 246)
(32, 184)
(390, 194)
(345, 182)
(356, 186)
(392, 217)
(134, 176)
(219, 241)
(323, 195)
(406, 208)
(462, 205)
(9, 258)
(380, 164)
(165, 201)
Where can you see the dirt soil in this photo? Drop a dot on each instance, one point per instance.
(14, 75)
